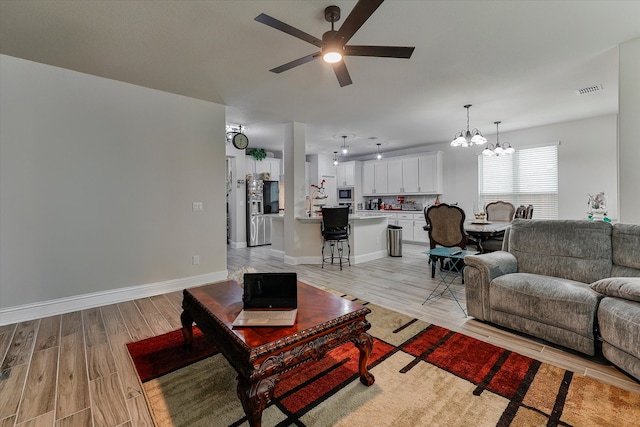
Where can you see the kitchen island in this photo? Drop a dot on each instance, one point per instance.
(368, 239)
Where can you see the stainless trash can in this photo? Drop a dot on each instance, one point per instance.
(394, 240)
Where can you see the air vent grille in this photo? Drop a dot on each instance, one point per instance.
(588, 90)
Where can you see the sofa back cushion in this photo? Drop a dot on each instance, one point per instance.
(625, 242)
(570, 249)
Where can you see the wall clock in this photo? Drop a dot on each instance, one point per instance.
(240, 141)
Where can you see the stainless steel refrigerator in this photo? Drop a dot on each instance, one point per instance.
(258, 226)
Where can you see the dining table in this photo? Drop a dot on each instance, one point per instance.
(480, 231)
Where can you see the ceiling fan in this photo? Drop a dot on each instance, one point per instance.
(333, 46)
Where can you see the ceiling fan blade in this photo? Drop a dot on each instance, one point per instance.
(295, 63)
(358, 16)
(380, 51)
(286, 28)
(342, 74)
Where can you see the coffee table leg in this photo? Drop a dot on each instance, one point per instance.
(255, 396)
(187, 329)
(364, 342)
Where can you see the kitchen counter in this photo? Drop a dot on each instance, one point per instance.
(368, 239)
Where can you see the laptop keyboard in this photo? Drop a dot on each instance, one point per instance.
(256, 314)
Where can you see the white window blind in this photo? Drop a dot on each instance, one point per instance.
(527, 177)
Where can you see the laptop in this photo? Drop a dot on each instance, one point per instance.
(269, 299)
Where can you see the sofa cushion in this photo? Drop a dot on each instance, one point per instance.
(568, 249)
(563, 303)
(625, 241)
(622, 287)
(620, 324)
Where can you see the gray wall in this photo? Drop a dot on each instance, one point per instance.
(629, 122)
(97, 181)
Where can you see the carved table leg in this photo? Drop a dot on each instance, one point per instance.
(255, 396)
(364, 342)
(187, 330)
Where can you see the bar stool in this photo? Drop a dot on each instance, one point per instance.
(335, 230)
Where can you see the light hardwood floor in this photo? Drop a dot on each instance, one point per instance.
(74, 369)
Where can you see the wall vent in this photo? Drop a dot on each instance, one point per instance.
(588, 90)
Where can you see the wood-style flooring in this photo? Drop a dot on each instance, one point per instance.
(74, 369)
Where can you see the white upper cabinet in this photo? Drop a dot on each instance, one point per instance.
(268, 165)
(368, 178)
(421, 174)
(430, 173)
(394, 176)
(381, 177)
(346, 174)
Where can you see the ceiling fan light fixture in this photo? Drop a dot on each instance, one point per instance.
(331, 55)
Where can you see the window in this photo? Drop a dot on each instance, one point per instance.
(527, 177)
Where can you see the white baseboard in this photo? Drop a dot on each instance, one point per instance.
(41, 309)
(238, 245)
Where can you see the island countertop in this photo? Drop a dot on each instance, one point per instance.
(368, 239)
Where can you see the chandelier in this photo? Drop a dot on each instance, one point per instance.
(335, 158)
(468, 138)
(379, 155)
(499, 149)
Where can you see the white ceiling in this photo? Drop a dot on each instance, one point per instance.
(516, 61)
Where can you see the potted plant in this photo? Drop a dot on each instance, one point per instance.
(257, 153)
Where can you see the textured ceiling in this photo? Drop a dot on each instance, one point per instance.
(516, 61)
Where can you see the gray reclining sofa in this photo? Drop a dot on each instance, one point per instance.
(572, 283)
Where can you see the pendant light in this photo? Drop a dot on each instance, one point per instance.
(335, 158)
(345, 148)
(499, 149)
(468, 138)
(379, 155)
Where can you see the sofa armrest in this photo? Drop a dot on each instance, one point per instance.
(480, 270)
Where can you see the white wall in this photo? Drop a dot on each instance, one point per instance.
(629, 105)
(587, 158)
(97, 181)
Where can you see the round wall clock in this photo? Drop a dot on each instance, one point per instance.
(240, 141)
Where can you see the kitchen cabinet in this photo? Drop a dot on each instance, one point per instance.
(346, 174)
(411, 223)
(374, 177)
(368, 178)
(430, 173)
(394, 176)
(421, 174)
(268, 165)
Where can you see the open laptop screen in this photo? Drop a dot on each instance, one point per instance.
(269, 291)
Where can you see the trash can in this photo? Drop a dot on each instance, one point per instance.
(394, 240)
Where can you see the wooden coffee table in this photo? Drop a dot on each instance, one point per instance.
(261, 354)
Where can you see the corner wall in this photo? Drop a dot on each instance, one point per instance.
(629, 120)
(97, 181)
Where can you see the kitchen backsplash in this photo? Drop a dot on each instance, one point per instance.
(419, 202)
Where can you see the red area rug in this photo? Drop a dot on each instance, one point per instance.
(163, 354)
(425, 375)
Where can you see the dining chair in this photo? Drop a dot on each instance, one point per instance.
(335, 230)
(524, 212)
(446, 229)
(498, 211)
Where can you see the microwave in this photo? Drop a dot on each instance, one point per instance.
(345, 194)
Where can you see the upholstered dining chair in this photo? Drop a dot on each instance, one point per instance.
(335, 230)
(446, 228)
(498, 211)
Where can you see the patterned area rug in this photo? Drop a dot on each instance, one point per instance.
(425, 376)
